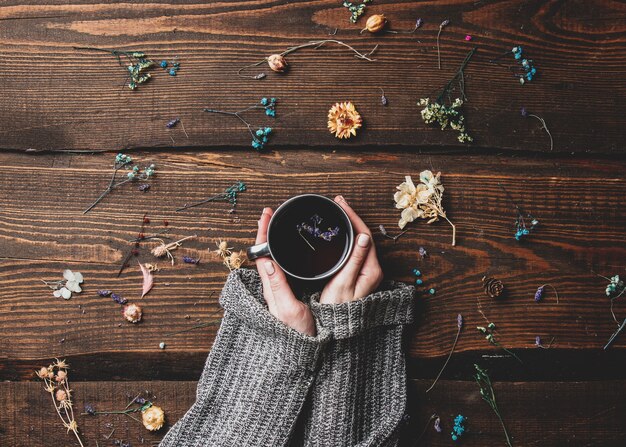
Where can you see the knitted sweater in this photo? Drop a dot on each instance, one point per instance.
(346, 386)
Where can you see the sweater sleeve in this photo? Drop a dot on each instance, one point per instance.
(256, 376)
(359, 395)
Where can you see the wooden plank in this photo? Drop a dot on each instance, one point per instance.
(55, 97)
(578, 202)
(536, 414)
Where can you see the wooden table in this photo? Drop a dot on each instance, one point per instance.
(66, 112)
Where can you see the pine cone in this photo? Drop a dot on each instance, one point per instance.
(493, 287)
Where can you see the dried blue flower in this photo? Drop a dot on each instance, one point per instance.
(437, 424)
(172, 123)
(119, 299)
(422, 252)
(539, 294)
(228, 195)
(190, 260)
(459, 427)
(104, 293)
(419, 23)
(315, 231)
(140, 400)
(90, 410)
(144, 187)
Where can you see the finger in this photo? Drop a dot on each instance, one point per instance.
(359, 227)
(351, 271)
(261, 237)
(284, 298)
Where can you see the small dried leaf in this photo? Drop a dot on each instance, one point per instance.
(148, 280)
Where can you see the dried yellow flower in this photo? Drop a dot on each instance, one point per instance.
(61, 364)
(223, 250)
(277, 63)
(42, 373)
(153, 418)
(344, 120)
(151, 267)
(235, 260)
(375, 23)
(132, 313)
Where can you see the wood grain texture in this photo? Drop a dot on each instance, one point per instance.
(58, 98)
(578, 202)
(536, 414)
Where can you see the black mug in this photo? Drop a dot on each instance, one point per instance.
(309, 236)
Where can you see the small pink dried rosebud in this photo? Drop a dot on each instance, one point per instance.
(61, 395)
(132, 313)
(277, 63)
(375, 23)
(61, 376)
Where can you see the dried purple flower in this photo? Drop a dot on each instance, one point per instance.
(118, 298)
(445, 23)
(90, 410)
(437, 425)
(190, 260)
(140, 400)
(104, 293)
(524, 112)
(144, 187)
(422, 252)
(314, 230)
(541, 290)
(538, 341)
(383, 98)
(419, 23)
(172, 123)
(539, 295)
(459, 321)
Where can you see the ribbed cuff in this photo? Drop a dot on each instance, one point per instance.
(392, 306)
(242, 297)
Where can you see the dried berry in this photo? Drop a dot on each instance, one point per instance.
(375, 23)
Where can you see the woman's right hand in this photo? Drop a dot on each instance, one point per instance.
(281, 301)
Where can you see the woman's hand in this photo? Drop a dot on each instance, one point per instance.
(281, 301)
(362, 273)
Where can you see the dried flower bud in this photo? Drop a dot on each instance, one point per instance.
(493, 287)
(42, 373)
(375, 23)
(153, 418)
(61, 376)
(132, 313)
(277, 63)
(61, 395)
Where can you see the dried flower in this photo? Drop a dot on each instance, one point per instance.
(468, 37)
(375, 23)
(422, 252)
(104, 293)
(65, 287)
(544, 126)
(493, 287)
(383, 98)
(190, 260)
(422, 201)
(344, 120)
(458, 429)
(223, 249)
(151, 267)
(441, 27)
(277, 63)
(315, 231)
(119, 299)
(90, 410)
(165, 249)
(315, 43)
(228, 195)
(172, 123)
(132, 313)
(123, 161)
(153, 418)
(437, 424)
(540, 290)
(355, 10)
(522, 229)
(56, 383)
(148, 279)
(488, 395)
(235, 260)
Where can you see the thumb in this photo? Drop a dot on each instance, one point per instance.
(351, 270)
(283, 295)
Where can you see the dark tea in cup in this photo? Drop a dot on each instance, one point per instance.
(309, 236)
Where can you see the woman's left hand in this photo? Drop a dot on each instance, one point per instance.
(362, 273)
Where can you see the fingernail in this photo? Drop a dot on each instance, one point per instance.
(340, 199)
(363, 240)
(258, 223)
(264, 211)
(269, 267)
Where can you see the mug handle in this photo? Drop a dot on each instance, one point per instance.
(258, 251)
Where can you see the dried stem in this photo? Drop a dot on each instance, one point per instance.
(305, 240)
(488, 395)
(313, 43)
(545, 127)
(456, 339)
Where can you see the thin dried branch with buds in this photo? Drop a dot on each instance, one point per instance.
(165, 249)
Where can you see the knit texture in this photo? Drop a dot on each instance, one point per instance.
(346, 386)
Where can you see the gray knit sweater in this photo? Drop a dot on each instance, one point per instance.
(345, 387)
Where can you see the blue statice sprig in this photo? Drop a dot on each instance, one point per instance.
(458, 429)
(527, 70)
(357, 10)
(260, 136)
(525, 222)
(315, 231)
(123, 161)
(229, 195)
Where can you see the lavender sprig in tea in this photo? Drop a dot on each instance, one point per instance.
(315, 231)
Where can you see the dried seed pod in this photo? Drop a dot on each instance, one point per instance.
(493, 287)
(277, 63)
(375, 23)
